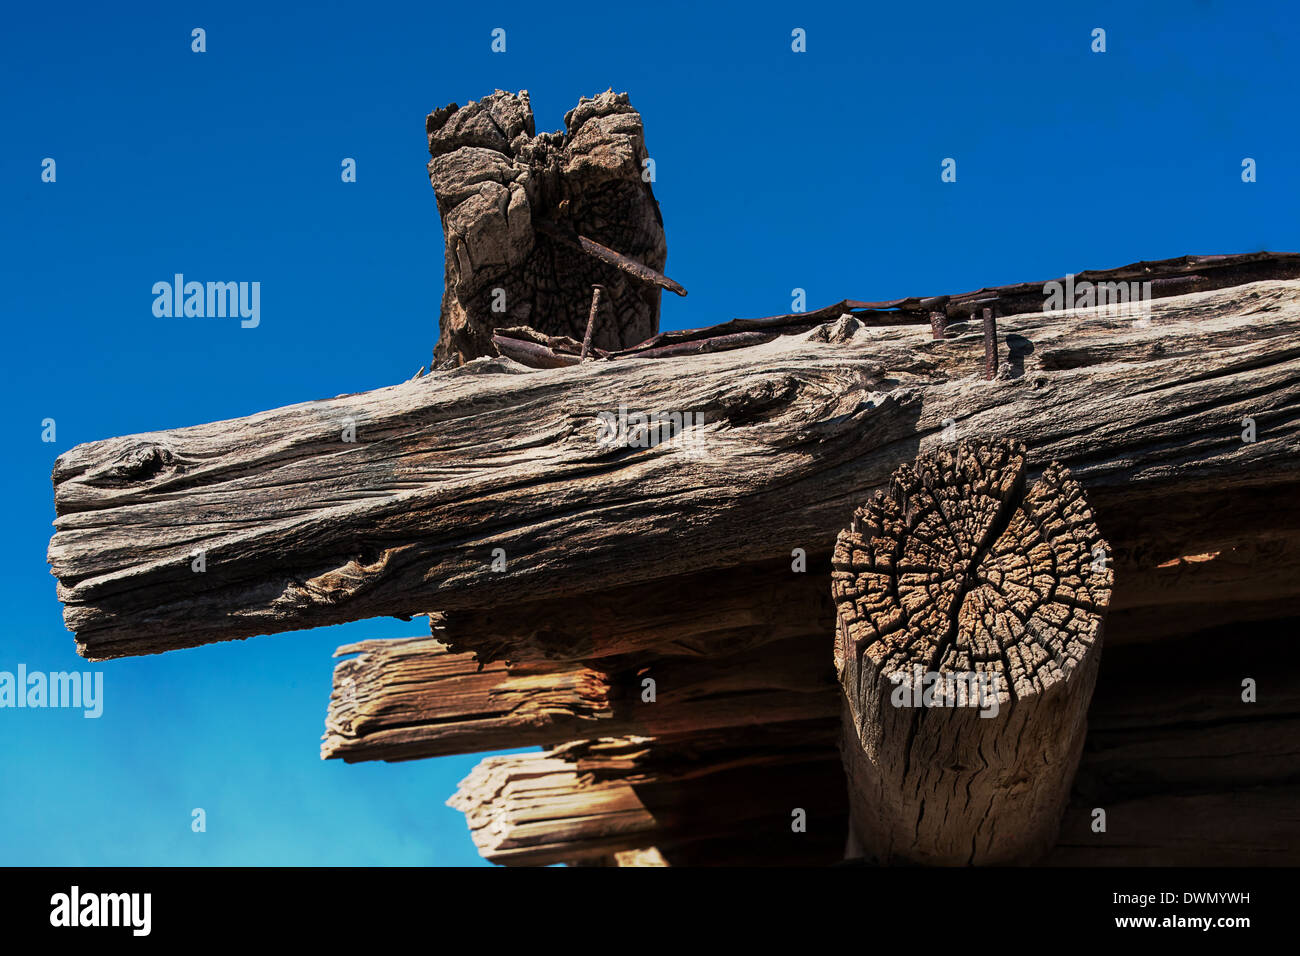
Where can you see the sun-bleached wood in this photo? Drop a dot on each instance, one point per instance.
(586, 800)
(301, 528)
(407, 699)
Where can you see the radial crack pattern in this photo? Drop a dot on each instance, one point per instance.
(969, 618)
(958, 569)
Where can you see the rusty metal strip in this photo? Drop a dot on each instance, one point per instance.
(1168, 277)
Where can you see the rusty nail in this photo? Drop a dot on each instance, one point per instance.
(938, 324)
(990, 345)
(637, 270)
(596, 290)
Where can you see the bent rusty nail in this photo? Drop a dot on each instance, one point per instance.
(596, 290)
(636, 270)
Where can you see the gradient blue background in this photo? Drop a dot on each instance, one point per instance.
(774, 170)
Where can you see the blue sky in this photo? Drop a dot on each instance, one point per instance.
(774, 170)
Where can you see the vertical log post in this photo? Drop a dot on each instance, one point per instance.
(969, 622)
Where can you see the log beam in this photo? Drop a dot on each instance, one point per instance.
(408, 699)
(301, 528)
(1239, 561)
(588, 800)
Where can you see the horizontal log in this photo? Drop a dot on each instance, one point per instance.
(541, 809)
(590, 799)
(1243, 827)
(411, 699)
(702, 614)
(1164, 588)
(1171, 718)
(299, 527)
(1164, 277)
(407, 699)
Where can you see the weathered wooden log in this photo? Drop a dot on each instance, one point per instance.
(1168, 729)
(302, 528)
(702, 614)
(970, 615)
(1240, 827)
(407, 699)
(589, 799)
(1251, 573)
(499, 186)
(1177, 718)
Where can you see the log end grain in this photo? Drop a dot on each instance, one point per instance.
(970, 605)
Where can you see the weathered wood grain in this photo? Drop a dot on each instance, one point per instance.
(407, 699)
(1187, 771)
(1241, 827)
(499, 187)
(589, 799)
(1166, 586)
(301, 529)
(702, 614)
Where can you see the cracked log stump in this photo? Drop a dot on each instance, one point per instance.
(499, 187)
(969, 616)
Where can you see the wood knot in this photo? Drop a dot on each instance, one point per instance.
(142, 463)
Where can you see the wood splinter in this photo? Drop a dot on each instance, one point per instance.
(969, 621)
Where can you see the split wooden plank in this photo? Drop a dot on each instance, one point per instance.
(590, 799)
(301, 528)
(408, 699)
